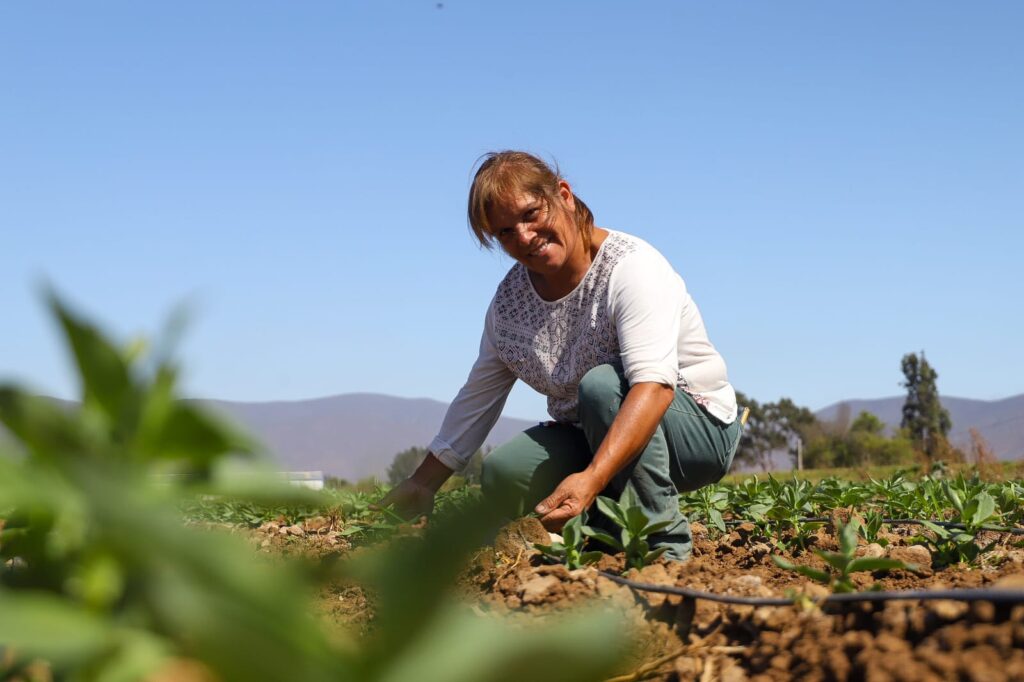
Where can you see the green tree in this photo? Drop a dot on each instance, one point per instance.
(771, 427)
(405, 463)
(862, 443)
(925, 419)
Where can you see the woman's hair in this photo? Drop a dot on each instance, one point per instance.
(502, 175)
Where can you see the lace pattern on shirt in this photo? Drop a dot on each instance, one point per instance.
(551, 345)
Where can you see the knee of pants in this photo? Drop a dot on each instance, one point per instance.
(497, 478)
(601, 389)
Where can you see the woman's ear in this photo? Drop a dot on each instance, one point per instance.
(565, 191)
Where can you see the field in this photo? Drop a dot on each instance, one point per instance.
(132, 547)
(741, 527)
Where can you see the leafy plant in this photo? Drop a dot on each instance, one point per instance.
(956, 545)
(570, 550)
(871, 526)
(707, 504)
(842, 563)
(635, 529)
(101, 579)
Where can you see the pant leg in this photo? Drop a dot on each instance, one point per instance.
(688, 450)
(702, 447)
(525, 470)
(601, 393)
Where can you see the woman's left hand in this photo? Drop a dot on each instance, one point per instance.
(571, 498)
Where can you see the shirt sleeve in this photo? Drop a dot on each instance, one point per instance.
(646, 299)
(476, 408)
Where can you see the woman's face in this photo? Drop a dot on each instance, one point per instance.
(543, 238)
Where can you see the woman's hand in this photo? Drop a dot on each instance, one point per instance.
(571, 498)
(414, 497)
(411, 499)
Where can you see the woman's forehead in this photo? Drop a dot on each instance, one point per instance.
(515, 201)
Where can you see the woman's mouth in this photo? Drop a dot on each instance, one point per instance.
(539, 249)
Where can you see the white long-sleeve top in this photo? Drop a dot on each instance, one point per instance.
(630, 307)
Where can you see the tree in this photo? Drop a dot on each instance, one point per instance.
(925, 419)
(771, 427)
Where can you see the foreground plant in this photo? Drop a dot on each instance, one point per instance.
(101, 580)
(635, 529)
(843, 563)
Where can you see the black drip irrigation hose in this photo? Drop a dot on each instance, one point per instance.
(907, 522)
(995, 596)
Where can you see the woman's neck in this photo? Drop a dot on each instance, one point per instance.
(552, 288)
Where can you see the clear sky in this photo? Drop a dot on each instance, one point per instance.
(838, 183)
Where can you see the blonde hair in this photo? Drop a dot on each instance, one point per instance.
(502, 175)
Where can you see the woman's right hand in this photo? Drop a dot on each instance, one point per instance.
(411, 499)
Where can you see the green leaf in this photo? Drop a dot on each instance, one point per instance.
(612, 510)
(953, 497)
(460, 647)
(106, 380)
(655, 527)
(654, 554)
(984, 508)
(590, 557)
(878, 564)
(636, 520)
(603, 537)
(812, 573)
(716, 520)
(44, 626)
(848, 538)
(835, 560)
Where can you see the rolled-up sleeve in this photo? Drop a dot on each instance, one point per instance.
(476, 408)
(646, 298)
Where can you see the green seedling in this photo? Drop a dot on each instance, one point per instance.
(957, 545)
(871, 526)
(708, 503)
(843, 563)
(635, 529)
(570, 550)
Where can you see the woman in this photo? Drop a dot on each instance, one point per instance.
(600, 323)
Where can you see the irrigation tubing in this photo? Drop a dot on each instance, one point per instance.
(995, 596)
(908, 522)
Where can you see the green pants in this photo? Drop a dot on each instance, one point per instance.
(688, 450)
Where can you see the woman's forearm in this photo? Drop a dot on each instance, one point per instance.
(432, 473)
(638, 417)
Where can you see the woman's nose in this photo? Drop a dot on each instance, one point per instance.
(525, 235)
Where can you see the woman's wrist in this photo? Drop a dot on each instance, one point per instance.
(431, 473)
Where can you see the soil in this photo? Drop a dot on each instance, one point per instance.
(681, 640)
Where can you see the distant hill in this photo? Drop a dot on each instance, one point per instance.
(358, 434)
(1001, 422)
(353, 435)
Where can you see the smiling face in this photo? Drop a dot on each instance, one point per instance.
(538, 233)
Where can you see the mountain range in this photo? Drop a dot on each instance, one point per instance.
(357, 435)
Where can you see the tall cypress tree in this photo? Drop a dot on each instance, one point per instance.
(925, 419)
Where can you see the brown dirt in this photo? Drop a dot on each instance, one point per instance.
(906, 641)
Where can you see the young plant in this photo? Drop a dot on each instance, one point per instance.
(570, 550)
(708, 503)
(870, 527)
(843, 563)
(635, 529)
(957, 545)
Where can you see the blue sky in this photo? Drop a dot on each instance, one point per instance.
(838, 183)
